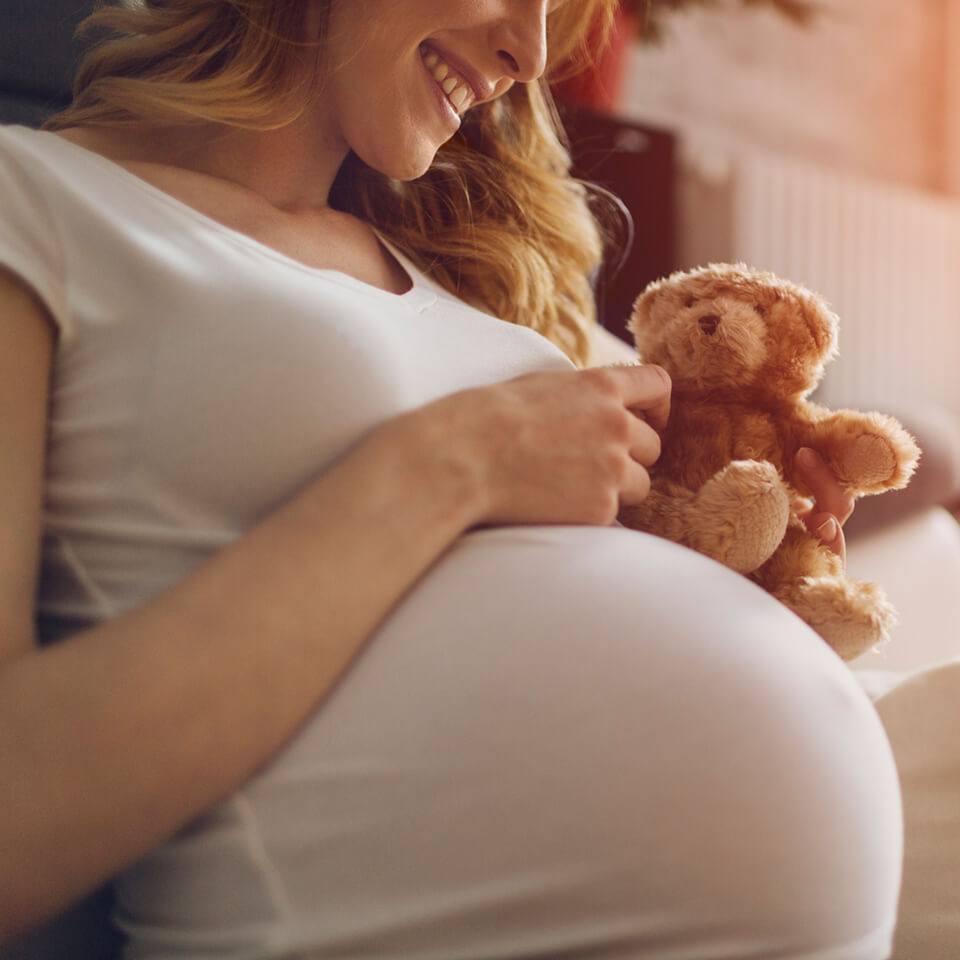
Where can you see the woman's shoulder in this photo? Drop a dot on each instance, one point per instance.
(74, 157)
(56, 198)
(38, 162)
(17, 147)
(26, 145)
(30, 240)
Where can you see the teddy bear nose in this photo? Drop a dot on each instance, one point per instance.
(709, 324)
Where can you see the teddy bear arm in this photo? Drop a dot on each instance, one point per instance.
(757, 438)
(868, 452)
(703, 438)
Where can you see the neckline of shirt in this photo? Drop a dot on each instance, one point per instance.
(420, 295)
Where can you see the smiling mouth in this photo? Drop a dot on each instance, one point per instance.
(458, 92)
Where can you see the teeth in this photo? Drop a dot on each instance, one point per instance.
(452, 84)
(459, 99)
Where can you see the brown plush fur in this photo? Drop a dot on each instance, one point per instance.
(744, 349)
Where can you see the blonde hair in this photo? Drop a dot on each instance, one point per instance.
(497, 220)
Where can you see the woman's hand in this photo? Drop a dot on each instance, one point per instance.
(831, 506)
(554, 447)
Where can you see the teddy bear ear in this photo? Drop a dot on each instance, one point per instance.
(637, 317)
(824, 324)
(641, 324)
(641, 306)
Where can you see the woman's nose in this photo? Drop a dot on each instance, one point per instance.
(521, 40)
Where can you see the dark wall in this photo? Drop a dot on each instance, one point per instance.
(635, 162)
(37, 57)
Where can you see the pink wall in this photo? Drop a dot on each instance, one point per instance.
(869, 88)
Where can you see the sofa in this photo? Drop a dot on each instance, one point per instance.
(37, 57)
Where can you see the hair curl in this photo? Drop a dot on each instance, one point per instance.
(497, 219)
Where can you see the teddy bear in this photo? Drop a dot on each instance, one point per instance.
(744, 349)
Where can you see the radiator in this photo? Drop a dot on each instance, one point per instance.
(886, 258)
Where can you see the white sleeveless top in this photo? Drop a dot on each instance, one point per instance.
(201, 377)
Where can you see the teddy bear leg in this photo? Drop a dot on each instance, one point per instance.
(743, 512)
(665, 511)
(737, 517)
(851, 615)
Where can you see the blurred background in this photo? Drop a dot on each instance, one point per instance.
(820, 140)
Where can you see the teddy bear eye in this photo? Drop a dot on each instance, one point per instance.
(760, 309)
(690, 301)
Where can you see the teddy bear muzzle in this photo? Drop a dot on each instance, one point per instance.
(709, 323)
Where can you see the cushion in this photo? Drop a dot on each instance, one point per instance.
(922, 717)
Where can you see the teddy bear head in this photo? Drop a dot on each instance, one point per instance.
(727, 326)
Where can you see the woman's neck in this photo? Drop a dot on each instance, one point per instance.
(292, 168)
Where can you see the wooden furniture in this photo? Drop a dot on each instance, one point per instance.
(636, 163)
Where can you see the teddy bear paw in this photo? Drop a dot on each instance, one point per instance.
(870, 461)
(749, 507)
(852, 616)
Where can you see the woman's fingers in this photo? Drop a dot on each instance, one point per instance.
(644, 443)
(832, 505)
(826, 527)
(635, 488)
(645, 390)
(827, 493)
(646, 394)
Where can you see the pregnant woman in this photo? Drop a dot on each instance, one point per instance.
(341, 650)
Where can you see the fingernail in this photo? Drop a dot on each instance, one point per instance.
(828, 530)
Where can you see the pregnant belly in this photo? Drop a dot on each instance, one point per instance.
(516, 618)
(527, 682)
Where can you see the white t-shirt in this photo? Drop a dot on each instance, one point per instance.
(564, 741)
(201, 377)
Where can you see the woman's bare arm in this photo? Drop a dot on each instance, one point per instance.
(114, 738)
(25, 350)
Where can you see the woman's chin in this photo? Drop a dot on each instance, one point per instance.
(411, 169)
(408, 165)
